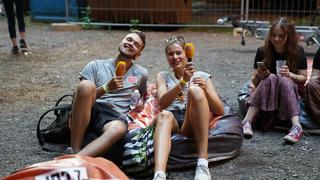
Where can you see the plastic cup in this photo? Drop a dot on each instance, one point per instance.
(279, 64)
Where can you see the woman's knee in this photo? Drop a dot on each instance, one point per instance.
(196, 94)
(164, 118)
(285, 82)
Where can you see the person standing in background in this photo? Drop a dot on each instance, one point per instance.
(11, 12)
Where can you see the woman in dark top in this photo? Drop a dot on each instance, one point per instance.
(276, 96)
(313, 89)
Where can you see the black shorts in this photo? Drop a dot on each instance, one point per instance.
(179, 116)
(101, 115)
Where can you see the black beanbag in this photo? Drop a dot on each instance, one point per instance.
(225, 141)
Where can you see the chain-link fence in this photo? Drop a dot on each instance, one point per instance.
(188, 13)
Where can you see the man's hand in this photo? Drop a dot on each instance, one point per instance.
(115, 83)
(139, 108)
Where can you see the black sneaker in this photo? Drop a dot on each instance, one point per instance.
(23, 45)
(15, 50)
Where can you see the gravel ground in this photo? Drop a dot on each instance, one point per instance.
(30, 84)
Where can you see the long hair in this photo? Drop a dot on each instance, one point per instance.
(291, 51)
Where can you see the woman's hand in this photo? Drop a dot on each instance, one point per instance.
(284, 71)
(262, 72)
(200, 82)
(188, 72)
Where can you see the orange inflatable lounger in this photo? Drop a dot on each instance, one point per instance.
(73, 167)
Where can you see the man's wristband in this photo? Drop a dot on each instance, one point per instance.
(105, 88)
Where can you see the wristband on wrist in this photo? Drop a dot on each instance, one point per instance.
(105, 88)
(183, 82)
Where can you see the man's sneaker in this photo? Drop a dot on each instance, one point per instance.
(15, 50)
(23, 45)
(69, 150)
(247, 130)
(202, 173)
(294, 135)
(159, 176)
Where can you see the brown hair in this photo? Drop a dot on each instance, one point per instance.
(291, 51)
(141, 35)
(175, 40)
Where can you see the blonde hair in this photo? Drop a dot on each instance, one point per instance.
(175, 40)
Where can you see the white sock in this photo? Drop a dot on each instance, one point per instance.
(159, 172)
(202, 161)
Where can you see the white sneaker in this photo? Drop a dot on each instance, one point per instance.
(202, 173)
(159, 176)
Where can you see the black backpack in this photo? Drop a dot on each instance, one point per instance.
(55, 136)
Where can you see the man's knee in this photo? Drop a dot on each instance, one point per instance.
(86, 88)
(116, 128)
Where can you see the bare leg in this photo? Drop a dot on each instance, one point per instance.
(252, 112)
(14, 42)
(112, 132)
(197, 120)
(22, 35)
(295, 121)
(81, 111)
(166, 124)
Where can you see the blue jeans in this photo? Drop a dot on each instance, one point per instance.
(9, 8)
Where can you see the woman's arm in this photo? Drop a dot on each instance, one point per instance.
(165, 96)
(300, 77)
(255, 80)
(259, 74)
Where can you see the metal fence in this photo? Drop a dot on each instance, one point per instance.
(188, 13)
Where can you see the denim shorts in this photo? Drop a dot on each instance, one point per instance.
(179, 116)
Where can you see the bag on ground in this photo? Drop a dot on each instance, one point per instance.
(56, 123)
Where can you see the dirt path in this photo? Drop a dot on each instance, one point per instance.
(30, 84)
